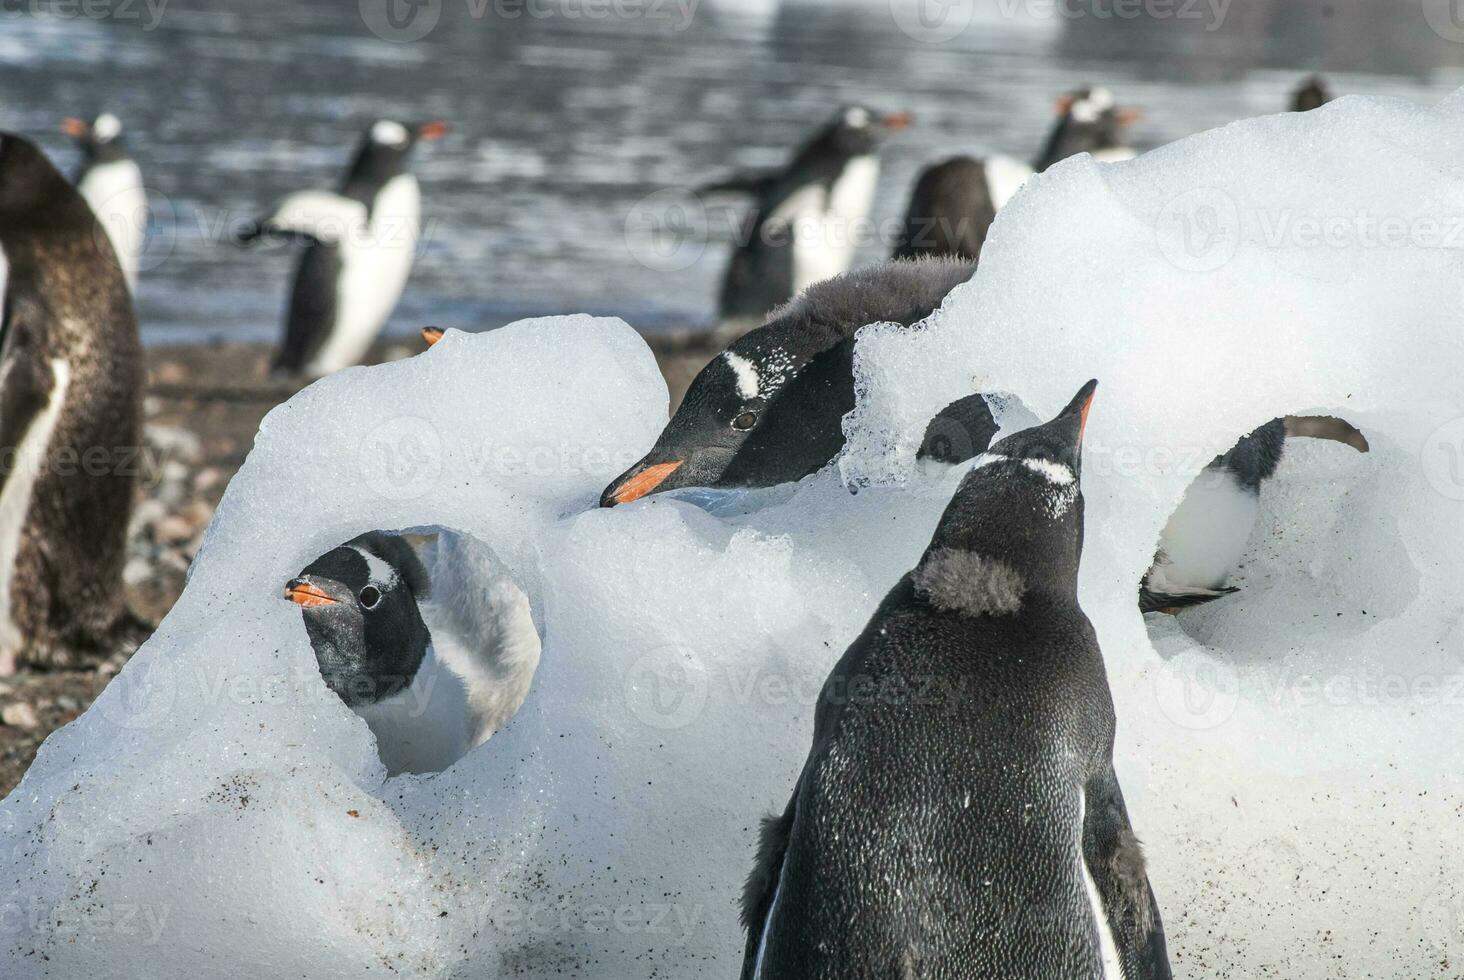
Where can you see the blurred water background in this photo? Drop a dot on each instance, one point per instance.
(567, 114)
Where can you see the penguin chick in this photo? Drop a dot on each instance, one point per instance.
(954, 202)
(768, 409)
(807, 218)
(112, 185)
(71, 379)
(958, 814)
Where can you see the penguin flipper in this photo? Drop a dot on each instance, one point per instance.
(321, 216)
(762, 883)
(312, 309)
(754, 184)
(1115, 860)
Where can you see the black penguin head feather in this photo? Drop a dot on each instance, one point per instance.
(769, 409)
(1015, 525)
(383, 152)
(1089, 121)
(1311, 94)
(360, 606)
(855, 130)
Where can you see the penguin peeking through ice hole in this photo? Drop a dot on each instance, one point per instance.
(434, 663)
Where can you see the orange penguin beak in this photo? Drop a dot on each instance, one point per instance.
(432, 335)
(302, 593)
(1129, 115)
(898, 120)
(434, 130)
(75, 128)
(1083, 418)
(641, 483)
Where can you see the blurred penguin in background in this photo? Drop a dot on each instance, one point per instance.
(71, 379)
(112, 184)
(1310, 94)
(955, 201)
(360, 244)
(808, 217)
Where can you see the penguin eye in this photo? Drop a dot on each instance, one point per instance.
(744, 421)
(370, 596)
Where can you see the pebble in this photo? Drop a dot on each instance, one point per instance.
(20, 714)
(174, 529)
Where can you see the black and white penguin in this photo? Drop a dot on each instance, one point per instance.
(71, 380)
(1311, 94)
(958, 814)
(1204, 539)
(361, 242)
(807, 219)
(429, 693)
(955, 201)
(112, 184)
(767, 410)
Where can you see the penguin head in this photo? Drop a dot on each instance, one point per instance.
(1015, 525)
(1089, 120)
(1311, 94)
(100, 140)
(388, 137)
(855, 130)
(359, 603)
(31, 184)
(753, 417)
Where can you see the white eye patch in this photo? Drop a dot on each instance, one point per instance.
(383, 576)
(1089, 108)
(747, 376)
(1058, 474)
(856, 118)
(389, 132)
(106, 128)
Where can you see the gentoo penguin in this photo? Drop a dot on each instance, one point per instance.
(112, 184)
(428, 693)
(955, 201)
(1311, 94)
(767, 410)
(807, 219)
(361, 242)
(958, 814)
(70, 419)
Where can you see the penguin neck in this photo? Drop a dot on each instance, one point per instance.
(996, 552)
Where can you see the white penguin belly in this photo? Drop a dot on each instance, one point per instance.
(851, 199)
(1207, 535)
(375, 266)
(31, 457)
(484, 632)
(115, 192)
(423, 728)
(1004, 177)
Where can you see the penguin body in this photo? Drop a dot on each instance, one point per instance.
(1206, 536)
(70, 404)
(955, 201)
(361, 243)
(768, 409)
(432, 678)
(112, 185)
(806, 220)
(958, 814)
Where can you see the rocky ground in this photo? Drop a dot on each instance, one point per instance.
(203, 407)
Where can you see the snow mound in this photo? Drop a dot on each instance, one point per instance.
(1287, 752)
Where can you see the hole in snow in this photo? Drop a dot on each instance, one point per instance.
(426, 636)
(1311, 554)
